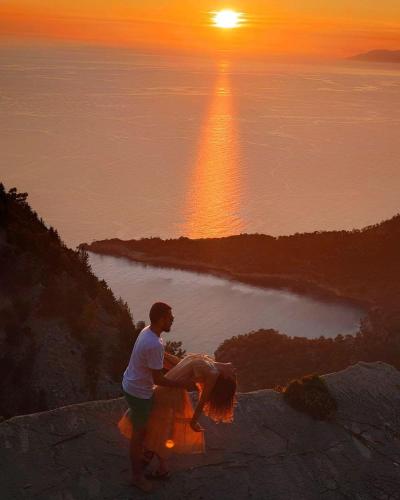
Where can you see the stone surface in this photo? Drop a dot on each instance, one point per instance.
(269, 452)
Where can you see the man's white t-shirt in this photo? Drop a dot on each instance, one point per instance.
(147, 355)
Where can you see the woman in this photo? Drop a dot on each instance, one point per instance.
(173, 425)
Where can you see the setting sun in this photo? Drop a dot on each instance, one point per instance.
(226, 19)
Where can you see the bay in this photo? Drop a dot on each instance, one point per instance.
(208, 309)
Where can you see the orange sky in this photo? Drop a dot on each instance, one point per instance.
(315, 27)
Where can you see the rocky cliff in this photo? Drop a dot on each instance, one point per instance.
(64, 337)
(269, 452)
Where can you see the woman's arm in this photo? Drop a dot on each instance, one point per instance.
(205, 396)
(171, 359)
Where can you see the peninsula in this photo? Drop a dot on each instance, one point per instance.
(359, 266)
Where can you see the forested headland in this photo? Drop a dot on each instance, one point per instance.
(359, 266)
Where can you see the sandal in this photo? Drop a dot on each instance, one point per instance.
(156, 474)
(142, 484)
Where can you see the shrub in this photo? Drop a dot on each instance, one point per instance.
(310, 395)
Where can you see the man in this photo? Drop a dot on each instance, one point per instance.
(143, 371)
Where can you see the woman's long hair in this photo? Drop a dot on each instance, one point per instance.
(222, 400)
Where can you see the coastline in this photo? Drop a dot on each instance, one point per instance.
(356, 269)
(299, 286)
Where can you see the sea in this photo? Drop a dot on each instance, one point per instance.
(112, 143)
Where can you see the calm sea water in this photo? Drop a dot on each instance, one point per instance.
(209, 310)
(109, 143)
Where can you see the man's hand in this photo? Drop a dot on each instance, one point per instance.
(196, 426)
(160, 379)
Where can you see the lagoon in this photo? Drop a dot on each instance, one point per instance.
(209, 309)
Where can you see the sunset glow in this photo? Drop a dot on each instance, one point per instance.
(227, 19)
(330, 29)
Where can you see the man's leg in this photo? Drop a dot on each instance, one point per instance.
(136, 454)
(162, 466)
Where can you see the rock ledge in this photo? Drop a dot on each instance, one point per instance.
(269, 452)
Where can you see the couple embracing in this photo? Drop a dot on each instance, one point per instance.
(160, 418)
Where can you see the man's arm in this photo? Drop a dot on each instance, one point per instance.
(160, 379)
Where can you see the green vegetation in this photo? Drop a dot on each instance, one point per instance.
(310, 395)
(359, 266)
(175, 347)
(45, 283)
(266, 358)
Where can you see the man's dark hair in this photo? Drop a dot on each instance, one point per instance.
(158, 310)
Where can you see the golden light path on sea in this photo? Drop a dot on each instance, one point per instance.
(214, 195)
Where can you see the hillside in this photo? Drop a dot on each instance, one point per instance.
(269, 452)
(64, 338)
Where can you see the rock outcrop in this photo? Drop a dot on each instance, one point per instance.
(269, 452)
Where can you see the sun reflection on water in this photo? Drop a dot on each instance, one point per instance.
(214, 195)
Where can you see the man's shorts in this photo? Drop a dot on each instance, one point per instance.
(139, 410)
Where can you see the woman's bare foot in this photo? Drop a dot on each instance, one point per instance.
(142, 483)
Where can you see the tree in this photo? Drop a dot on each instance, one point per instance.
(175, 347)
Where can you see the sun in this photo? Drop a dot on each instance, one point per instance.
(226, 18)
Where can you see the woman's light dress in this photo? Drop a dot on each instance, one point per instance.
(168, 428)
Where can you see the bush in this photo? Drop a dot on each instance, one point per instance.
(310, 395)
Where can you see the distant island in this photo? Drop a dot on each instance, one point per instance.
(359, 267)
(386, 56)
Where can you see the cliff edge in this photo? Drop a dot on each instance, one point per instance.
(270, 451)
